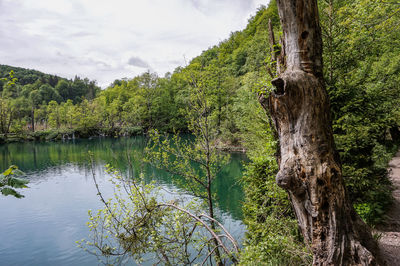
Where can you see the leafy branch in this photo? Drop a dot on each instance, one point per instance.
(8, 183)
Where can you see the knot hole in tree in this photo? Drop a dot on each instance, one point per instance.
(304, 35)
(279, 85)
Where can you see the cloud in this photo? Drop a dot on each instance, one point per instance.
(94, 38)
(138, 62)
(81, 34)
(237, 6)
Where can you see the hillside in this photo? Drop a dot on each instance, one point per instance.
(42, 88)
(29, 76)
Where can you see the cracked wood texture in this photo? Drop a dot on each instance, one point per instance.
(310, 169)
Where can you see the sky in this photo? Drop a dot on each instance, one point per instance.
(105, 40)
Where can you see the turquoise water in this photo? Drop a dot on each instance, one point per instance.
(41, 228)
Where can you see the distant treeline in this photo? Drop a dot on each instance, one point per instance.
(45, 87)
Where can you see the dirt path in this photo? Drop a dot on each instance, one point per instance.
(390, 230)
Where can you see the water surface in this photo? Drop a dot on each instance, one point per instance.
(41, 229)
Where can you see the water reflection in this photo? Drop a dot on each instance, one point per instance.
(42, 228)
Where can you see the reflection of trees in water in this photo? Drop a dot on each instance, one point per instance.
(40, 160)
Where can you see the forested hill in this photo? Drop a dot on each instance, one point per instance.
(29, 76)
(41, 88)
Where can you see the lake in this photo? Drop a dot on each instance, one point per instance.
(42, 228)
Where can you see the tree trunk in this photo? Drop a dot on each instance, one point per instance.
(33, 119)
(309, 164)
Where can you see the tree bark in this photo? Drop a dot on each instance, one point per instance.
(33, 119)
(310, 168)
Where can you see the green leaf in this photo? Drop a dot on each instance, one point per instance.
(17, 182)
(10, 170)
(9, 191)
(18, 172)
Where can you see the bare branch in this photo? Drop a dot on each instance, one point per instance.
(209, 229)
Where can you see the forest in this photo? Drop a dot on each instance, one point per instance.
(361, 56)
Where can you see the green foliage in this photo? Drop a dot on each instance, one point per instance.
(28, 76)
(49, 87)
(273, 237)
(198, 162)
(28, 98)
(361, 58)
(370, 212)
(188, 160)
(8, 183)
(6, 113)
(140, 223)
(132, 131)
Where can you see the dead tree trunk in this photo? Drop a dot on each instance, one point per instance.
(310, 168)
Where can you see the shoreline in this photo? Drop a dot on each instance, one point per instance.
(73, 134)
(68, 134)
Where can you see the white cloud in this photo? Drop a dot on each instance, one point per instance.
(106, 40)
